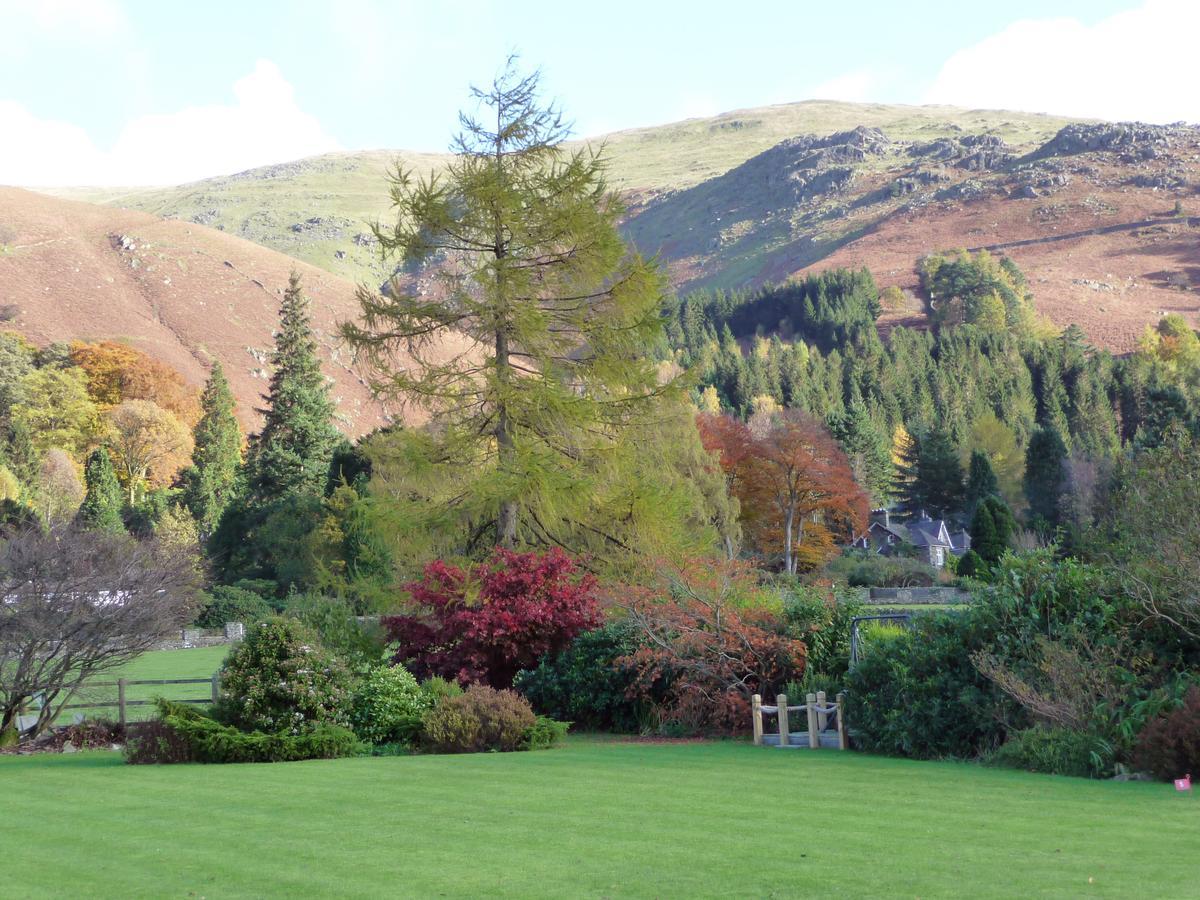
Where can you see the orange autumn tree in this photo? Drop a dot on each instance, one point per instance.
(794, 484)
(116, 372)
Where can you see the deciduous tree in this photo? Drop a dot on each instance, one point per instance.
(149, 444)
(57, 412)
(78, 604)
(551, 314)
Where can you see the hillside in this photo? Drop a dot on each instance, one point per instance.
(758, 195)
(317, 209)
(183, 293)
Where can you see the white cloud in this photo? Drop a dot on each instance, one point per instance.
(264, 125)
(73, 22)
(1137, 64)
(856, 87)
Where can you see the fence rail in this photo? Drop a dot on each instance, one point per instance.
(123, 702)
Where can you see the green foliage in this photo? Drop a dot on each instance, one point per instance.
(868, 448)
(336, 624)
(225, 603)
(917, 693)
(479, 720)
(932, 477)
(17, 357)
(821, 619)
(211, 480)
(1151, 533)
(992, 530)
(976, 290)
(437, 689)
(1045, 477)
(102, 505)
(385, 704)
(280, 679)
(57, 411)
(585, 684)
(1169, 745)
(209, 741)
(553, 434)
(981, 481)
(971, 565)
(545, 733)
(292, 452)
(1054, 751)
(866, 569)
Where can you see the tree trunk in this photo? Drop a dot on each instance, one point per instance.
(506, 518)
(789, 564)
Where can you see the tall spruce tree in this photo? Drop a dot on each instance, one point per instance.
(545, 420)
(992, 529)
(932, 477)
(211, 481)
(291, 454)
(868, 449)
(102, 504)
(981, 481)
(1045, 478)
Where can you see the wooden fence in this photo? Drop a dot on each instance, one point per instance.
(123, 702)
(819, 715)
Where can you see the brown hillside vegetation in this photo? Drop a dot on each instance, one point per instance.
(1143, 263)
(183, 293)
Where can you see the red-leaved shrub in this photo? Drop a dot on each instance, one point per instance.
(707, 648)
(502, 616)
(1169, 746)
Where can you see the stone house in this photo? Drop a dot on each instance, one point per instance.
(931, 540)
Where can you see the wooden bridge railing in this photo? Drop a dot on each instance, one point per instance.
(816, 710)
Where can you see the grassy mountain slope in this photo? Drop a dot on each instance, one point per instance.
(317, 209)
(182, 292)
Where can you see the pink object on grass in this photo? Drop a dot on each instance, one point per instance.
(1184, 783)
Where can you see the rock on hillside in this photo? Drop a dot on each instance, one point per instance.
(184, 293)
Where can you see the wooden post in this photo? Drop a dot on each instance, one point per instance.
(216, 687)
(822, 718)
(756, 718)
(121, 700)
(814, 739)
(784, 734)
(843, 738)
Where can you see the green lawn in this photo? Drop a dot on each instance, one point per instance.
(593, 819)
(200, 662)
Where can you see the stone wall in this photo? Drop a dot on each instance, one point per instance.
(918, 595)
(196, 637)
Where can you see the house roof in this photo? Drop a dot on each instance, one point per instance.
(930, 533)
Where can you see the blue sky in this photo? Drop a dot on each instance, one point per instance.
(132, 91)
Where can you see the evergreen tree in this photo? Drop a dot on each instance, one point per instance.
(101, 507)
(867, 448)
(932, 477)
(992, 529)
(971, 565)
(211, 481)
(981, 481)
(291, 454)
(1045, 476)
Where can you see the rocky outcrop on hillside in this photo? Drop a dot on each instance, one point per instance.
(1134, 141)
(972, 152)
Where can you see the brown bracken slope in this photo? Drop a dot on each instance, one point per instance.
(183, 293)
